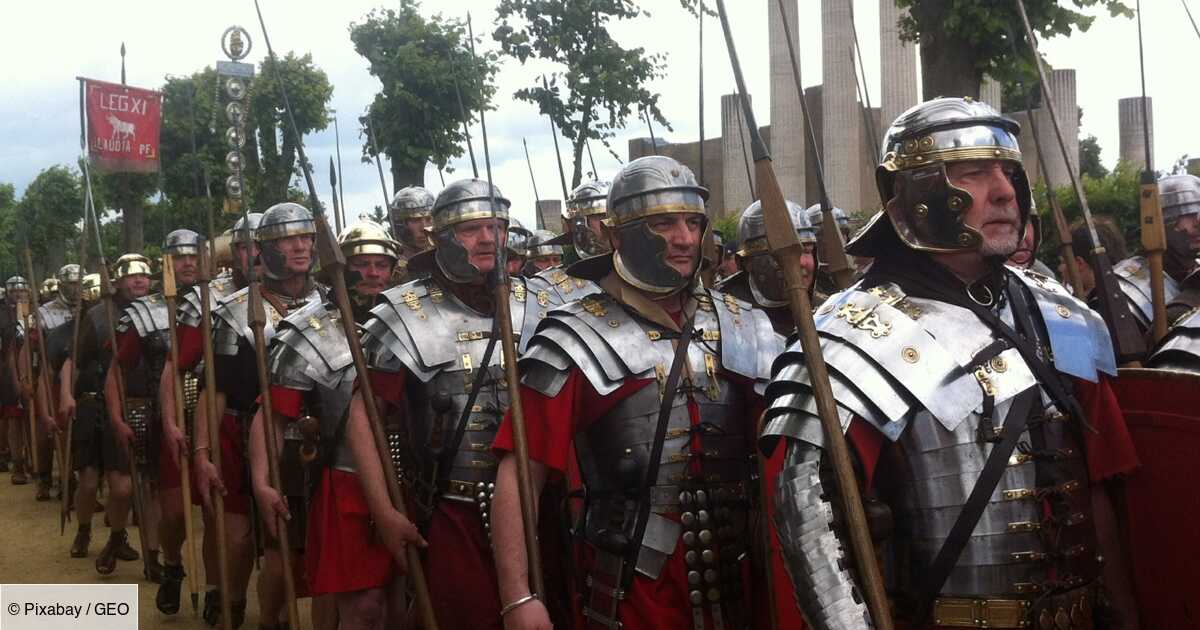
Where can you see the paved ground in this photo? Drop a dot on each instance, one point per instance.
(32, 552)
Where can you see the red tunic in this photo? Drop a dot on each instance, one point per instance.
(129, 353)
(458, 563)
(551, 424)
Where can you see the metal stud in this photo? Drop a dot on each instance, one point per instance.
(703, 516)
(691, 558)
(709, 556)
(689, 539)
(688, 518)
(706, 537)
(710, 576)
(714, 594)
(693, 578)
(696, 598)
(701, 498)
(685, 498)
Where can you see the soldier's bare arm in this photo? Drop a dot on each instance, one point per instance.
(508, 543)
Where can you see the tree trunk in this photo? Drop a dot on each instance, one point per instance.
(947, 65)
(405, 177)
(132, 219)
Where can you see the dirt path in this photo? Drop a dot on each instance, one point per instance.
(33, 552)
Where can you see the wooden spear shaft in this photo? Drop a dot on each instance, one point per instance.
(170, 292)
(786, 247)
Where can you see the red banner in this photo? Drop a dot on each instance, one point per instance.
(123, 125)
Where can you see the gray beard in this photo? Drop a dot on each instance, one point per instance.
(1000, 247)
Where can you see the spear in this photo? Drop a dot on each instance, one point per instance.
(785, 246)
(1065, 241)
(185, 473)
(332, 258)
(532, 180)
(337, 144)
(462, 115)
(509, 349)
(562, 177)
(387, 199)
(833, 248)
(650, 128)
(333, 192)
(1113, 306)
(44, 373)
(865, 95)
(1154, 236)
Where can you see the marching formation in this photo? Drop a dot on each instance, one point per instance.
(674, 454)
(451, 421)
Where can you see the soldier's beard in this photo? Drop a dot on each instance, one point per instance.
(1002, 247)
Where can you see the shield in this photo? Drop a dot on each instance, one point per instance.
(1162, 410)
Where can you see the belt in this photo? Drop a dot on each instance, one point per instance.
(90, 396)
(1072, 609)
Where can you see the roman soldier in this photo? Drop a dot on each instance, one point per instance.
(97, 447)
(586, 208)
(759, 281)
(443, 397)
(230, 481)
(825, 284)
(285, 244)
(974, 396)
(409, 216)
(144, 347)
(543, 253)
(312, 381)
(53, 317)
(12, 396)
(518, 247)
(1179, 196)
(49, 290)
(661, 543)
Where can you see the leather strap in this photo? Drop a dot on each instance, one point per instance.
(981, 493)
(656, 448)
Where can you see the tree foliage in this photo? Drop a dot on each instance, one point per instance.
(1114, 195)
(599, 85)
(961, 40)
(421, 62)
(1089, 158)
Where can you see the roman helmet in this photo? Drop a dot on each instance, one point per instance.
(928, 212)
(643, 188)
(89, 288)
(240, 234)
(281, 221)
(518, 238)
(461, 201)
(17, 283)
(368, 237)
(587, 200)
(1179, 195)
(183, 243)
(817, 220)
(131, 265)
(69, 277)
(49, 287)
(762, 271)
(412, 202)
(541, 244)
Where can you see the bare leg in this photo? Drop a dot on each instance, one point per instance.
(171, 527)
(270, 588)
(362, 610)
(85, 495)
(120, 491)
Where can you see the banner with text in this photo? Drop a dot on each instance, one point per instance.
(123, 124)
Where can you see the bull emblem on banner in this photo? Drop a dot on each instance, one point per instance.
(121, 130)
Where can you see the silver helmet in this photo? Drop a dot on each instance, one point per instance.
(16, 283)
(518, 238)
(1179, 195)
(589, 199)
(131, 265)
(281, 221)
(766, 281)
(183, 243)
(541, 244)
(412, 202)
(241, 235)
(70, 277)
(928, 212)
(462, 201)
(817, 220)
(645, 187)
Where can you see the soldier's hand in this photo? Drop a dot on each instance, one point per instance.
(397, 533)
(531, 615)
(175, 441)
(27, 392)
(124, 434)
(271, 508)
(208, 479)
(66, 410)
(49, 427)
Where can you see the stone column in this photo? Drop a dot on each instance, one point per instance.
(787, 117)
(550, 212)
(1132, 129)
(735, 150)
(1062, 90)
(992, 93)
(898, 67)
(843, 140)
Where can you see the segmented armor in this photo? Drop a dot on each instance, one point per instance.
(554, 287)
(147, 317)
(1133, 279)
(933, 379)
(1180, 349)
(55, 313)
(190, 311)
(711, 491)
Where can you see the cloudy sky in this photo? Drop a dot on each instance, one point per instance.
(50, 42)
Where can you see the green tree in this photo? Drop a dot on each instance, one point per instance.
(961, 40)
(8, 246)
(49, 216)
(420, 62)
(599, 84)
(1089, 158)
(1114, 195)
